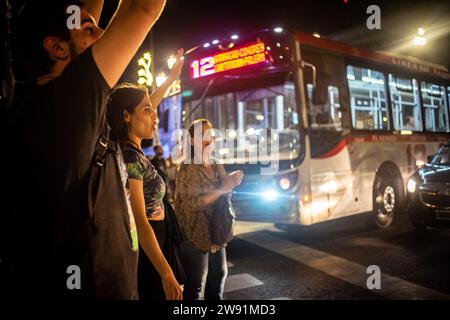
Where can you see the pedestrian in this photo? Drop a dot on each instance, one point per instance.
(199, 183)
(132, 116)
(171, 174)
(159, 163)
(74, 235)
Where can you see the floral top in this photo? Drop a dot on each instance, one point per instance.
(140, 168)
(193, 181)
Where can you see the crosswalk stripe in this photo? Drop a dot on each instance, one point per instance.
(356, 274)
(241, 281)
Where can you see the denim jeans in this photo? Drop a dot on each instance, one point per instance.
(206, 273)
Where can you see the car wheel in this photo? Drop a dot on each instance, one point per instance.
(387, 199)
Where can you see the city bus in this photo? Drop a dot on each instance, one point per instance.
(350, 125)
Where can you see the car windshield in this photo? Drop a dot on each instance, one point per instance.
(442, 157)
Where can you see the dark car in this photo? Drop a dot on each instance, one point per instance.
(428, 192)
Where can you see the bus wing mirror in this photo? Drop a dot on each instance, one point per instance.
(430, 158)
(304, 65)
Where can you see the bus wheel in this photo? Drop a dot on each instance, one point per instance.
(387, 199)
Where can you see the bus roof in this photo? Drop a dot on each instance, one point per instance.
(409, 63)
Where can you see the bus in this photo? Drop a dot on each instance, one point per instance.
(350, 125)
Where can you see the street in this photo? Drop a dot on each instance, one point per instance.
(330, 262)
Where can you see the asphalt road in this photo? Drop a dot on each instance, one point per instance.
(330, 262)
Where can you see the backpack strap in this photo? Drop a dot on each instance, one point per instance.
(104, 145)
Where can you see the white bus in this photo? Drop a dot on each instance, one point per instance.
(351, 124)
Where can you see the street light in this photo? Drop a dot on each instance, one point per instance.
(171, 61)
(160, 79)
(420, 39)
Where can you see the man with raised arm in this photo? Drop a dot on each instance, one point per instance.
(73, 232)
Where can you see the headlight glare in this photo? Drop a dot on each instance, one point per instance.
(411, 186)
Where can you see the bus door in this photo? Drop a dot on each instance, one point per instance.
(334, 180)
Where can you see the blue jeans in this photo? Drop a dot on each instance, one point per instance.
(205, 272)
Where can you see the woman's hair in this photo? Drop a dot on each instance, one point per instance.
(192, 126)
(125, 97)
(198, 122)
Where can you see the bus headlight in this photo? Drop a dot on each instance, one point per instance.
(270, 195)
(285, 183)
(288, 180)
(411, 186)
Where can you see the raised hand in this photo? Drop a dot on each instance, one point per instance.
(178, 66)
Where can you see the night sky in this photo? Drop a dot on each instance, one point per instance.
(186, 23)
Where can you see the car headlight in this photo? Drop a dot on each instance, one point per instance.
(411, 186)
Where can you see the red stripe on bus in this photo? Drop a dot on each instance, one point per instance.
(398, 138)
(338, 148)
(374, 138)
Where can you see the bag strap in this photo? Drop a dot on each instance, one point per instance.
(104, 144)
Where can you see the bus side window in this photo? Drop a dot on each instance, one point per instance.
(325, 113)
(448, 96)
(405, 101)
(448, 100)
(367, 99)
(436, 109)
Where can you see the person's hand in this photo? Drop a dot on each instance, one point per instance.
(175, 72)
(231, 181)
(171, 288)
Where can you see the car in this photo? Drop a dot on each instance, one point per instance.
(428, 192)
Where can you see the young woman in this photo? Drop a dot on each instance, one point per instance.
(132, 116)
(199, 183)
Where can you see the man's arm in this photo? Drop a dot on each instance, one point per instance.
(124, 35)
(94, 7)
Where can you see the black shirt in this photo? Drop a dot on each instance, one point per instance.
(53, 131)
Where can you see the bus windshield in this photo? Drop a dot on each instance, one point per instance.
(260, 123)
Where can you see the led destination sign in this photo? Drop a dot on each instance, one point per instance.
(240, 57)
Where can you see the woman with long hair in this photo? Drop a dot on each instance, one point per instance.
(132, 116)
